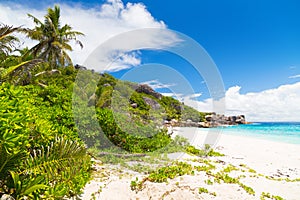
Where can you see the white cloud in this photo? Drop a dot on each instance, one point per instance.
(279, 104)
(155, 84)
(123, 61)
(295, 76)
(98, 24)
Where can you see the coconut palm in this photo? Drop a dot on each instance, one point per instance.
(53, 39)
(8, 42)
(13, 67)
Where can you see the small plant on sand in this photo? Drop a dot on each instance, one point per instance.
(225, 178)
(204, 190)
(172, 171)
(221, 176)
(282, 179)
(264, 195)
(206, 167)
(209, 182)
(199, 152)
(136, 185)
(252, 171)
(248, 189)
(247, 169)
(163, 174)
(230, 168)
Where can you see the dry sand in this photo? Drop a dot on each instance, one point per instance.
(274, 159)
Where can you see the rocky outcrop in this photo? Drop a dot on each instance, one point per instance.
(80, 67)
(212, 120)
(225, 120)
(143, 88)
(152, 103)
(134, 105)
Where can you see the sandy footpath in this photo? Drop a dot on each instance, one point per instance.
(267, 158)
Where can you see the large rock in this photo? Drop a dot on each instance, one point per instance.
(143, 88)
(80, 67)
(204, 124)
(152, 103)
(134, 105)
(240, 119)
(219, 120)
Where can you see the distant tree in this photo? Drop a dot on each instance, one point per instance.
(53, 39)
(13, 68)
(8, 42)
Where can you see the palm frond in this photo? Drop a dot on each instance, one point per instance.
(26, 64)
(35, 20)
(8, 162)
(7, 41)
(55, 158)
(6, 30)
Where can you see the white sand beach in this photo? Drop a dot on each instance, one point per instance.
(269, 159)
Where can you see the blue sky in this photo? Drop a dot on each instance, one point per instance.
(255, 44)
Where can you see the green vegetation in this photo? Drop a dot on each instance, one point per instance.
(282, 179)
(230, 168)
(265, 196)
(42, 156)
(172, 107)
(170, 172)
(136, 185)
(181, 168)
(199, 152)
(38, 140)
(163, 174)
(204, 190)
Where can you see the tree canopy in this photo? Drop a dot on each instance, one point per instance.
(53, 39)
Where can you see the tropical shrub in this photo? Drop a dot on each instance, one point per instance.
(129, 142)
(36, 132)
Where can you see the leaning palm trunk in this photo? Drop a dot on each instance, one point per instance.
(15, 73)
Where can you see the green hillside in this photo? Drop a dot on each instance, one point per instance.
(131, 116)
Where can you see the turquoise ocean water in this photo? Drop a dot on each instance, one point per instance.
(288, 132)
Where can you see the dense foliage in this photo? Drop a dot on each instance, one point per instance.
(36, 131)
(41, 155)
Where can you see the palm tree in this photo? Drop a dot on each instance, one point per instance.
(13, 68)
(53, 39)
(7, 41)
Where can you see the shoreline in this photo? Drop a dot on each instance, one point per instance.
(282, 138)
(274, 164)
